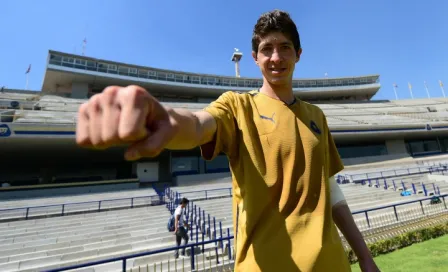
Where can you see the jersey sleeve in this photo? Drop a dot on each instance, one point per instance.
(334, 162)
(223, 111)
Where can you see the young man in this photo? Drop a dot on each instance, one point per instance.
(180, 226)
(281, 154)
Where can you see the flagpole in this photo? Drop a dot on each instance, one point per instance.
(410, 90)
(395, 91)
(427, 91)
(441, 87)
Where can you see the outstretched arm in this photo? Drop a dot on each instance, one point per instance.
(132, 116)
(194, 128)
(343, 218)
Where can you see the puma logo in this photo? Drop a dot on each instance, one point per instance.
(268, 118)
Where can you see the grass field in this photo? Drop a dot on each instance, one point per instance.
(428, 256)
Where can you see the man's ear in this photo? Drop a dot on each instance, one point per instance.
(298, 55)
(254, 55)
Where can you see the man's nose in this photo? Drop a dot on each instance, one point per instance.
(275, 57)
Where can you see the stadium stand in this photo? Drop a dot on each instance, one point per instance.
(40, 244)
(72, 204)
(55, 109)
(77, 198)
(77, 229)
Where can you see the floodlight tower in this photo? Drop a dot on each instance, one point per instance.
(236, 57)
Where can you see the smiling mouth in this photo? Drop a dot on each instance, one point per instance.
(277, 70)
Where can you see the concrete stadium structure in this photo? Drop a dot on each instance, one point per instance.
(383, 143)
(43, 123)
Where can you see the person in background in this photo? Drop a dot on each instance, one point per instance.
(180, 226)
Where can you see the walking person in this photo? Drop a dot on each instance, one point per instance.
(180, 226)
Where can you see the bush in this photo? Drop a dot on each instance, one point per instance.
(402, 240)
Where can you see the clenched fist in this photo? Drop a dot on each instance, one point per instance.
(125, 115)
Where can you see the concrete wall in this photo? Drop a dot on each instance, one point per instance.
(395, 147)
(165, 167)
(80, 90)
(202, 178)
(47, 192)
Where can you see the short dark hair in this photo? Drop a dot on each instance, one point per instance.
(184, 201)
(275, 21)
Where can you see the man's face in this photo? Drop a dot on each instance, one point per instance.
(276, 58)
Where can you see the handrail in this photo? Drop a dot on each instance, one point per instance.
(426, 169)
(77, 203)
(372, 209)
(179, 194)
(131, 256)
(397, 204)
(102, 200)
(123, 259)
(208, 190)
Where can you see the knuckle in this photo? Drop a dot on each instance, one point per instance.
(94, 103)
(136, 94)
(108, 96)
(83, 109)
(111, 89)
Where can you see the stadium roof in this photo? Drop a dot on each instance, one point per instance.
(63, 69)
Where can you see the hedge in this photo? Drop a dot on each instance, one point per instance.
(402, 240)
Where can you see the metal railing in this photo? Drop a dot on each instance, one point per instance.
(383, 216)
(403, 187)
(197, 216)
(395, 173)
(89, 206)
(205, 194)
(193, 261)
(175, 197)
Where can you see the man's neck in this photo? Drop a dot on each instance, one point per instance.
(280, 92)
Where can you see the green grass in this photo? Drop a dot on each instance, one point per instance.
(428, 256)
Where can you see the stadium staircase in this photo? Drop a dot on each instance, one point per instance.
(203, 227)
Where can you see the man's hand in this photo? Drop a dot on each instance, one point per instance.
(125, 115)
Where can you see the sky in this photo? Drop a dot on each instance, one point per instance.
(402, 41)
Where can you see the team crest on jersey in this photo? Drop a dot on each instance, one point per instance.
(5, 131)
(315, 128)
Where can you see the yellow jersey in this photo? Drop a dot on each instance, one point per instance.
(281, 157)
